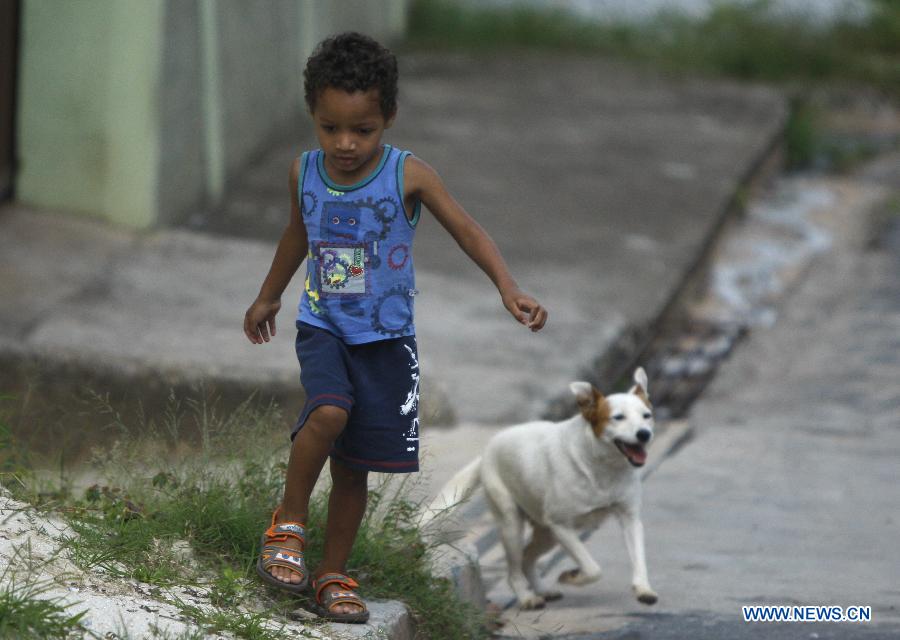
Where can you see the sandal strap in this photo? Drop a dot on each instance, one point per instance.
(345, 582)
(329, 600)
(275, 556)
(281, 531)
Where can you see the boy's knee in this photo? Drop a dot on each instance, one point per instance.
(346, 476)
(327, 421)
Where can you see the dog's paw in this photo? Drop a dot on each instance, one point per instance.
(532, 602)
(551, 595)
(645, 595)
(577, 577)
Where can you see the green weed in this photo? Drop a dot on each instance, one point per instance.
(222, 518)
(801, 135)
(393, 561)
(27, 611)
(166, 515)
(251, 626)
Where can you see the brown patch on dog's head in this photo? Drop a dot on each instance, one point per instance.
(594, 407)
(596, 412)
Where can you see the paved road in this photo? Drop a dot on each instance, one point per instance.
(788, 491)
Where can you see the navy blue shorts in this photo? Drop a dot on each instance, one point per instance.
(377, 383)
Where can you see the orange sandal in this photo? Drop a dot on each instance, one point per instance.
(325, 602)
(272, 554)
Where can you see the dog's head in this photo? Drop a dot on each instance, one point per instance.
(622, 419)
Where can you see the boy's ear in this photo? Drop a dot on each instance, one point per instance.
(390, 121)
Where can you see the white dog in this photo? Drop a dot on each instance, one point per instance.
(562, 477)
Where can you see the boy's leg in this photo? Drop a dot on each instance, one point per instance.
(308, 454)
(346, 507)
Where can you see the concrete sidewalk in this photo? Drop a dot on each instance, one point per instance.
(602, 185)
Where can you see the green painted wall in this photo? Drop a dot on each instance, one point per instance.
(88, 126)
(140, 111)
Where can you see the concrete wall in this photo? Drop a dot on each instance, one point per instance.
(261, 91)
(138, 111)
(183, 168)
(87, 127)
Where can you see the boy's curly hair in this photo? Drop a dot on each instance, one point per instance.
(353, 62)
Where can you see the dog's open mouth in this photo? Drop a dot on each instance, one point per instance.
(635, 453)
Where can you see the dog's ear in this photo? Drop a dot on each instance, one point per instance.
(583, 392)
(594, 407)
(641, 385)
(640, 377)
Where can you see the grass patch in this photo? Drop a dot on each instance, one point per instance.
(252, 626)
(194, 520)
(25, 614)
(27, 611)
(737, 40)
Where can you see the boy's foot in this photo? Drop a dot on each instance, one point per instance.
(341, 607)
(281, 562)
(336, 600)
(286, 574)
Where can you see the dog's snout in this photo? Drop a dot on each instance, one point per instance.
(644, 435)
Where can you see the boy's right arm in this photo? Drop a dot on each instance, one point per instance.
(259, 321)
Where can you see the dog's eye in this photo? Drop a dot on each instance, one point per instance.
(647, 416)
(618, 417)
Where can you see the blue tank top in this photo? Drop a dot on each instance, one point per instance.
(360, 280)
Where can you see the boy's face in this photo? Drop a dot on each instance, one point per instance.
(349, 127)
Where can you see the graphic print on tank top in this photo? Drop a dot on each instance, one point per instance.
(360, 278)
(342, 261)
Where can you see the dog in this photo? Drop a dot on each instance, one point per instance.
(561, 477)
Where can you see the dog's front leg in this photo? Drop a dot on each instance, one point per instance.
(633, 529)
(588, 570)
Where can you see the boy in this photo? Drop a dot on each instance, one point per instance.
(354, 207)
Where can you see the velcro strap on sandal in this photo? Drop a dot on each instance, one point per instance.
(341, 597)
(283, 531)
(336, 578)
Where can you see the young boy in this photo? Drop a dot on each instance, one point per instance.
(355, 203)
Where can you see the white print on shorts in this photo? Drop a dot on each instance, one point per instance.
(412, 401)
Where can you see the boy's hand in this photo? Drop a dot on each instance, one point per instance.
(259, 321)
(525, 309)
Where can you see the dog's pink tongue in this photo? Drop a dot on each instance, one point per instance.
(638, 454)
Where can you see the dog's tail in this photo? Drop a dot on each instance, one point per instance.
(458, 490)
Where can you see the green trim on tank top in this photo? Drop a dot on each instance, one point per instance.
(320, 163)
(304, 159)
(417, 210)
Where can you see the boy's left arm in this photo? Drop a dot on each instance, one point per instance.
(423, 183)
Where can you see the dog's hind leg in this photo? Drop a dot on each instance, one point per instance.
(542, 541)
(512, 522)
